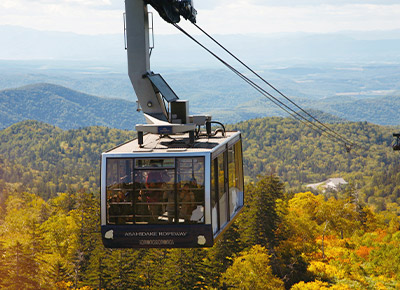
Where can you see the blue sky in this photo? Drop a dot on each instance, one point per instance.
(215, 16)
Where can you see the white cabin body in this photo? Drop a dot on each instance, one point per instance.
(168, 192)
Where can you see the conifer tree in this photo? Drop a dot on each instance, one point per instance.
(58, 274)
(220, 256)
(22, 268)
(87, 218)
(96, 274)
(155, 269)
(117, 269)
(185, 269)
(260, 218)
(3, 266)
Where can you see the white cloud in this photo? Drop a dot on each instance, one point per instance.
(82, 3)
(210, 4)
(253, 18)
(79, 16)
(215, 16)
(292, 3)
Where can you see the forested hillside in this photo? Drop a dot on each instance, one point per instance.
(379, 110)
(280, 241)
(291, 238)
(44, 159)
(65, 108)
(299, 156)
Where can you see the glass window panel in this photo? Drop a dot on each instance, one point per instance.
(155, 163)
(235, 178)
(214, 197)
(239, 183)
(119, 190)
(154, 193)
(222, 196)
(232, 181)
(190, 189)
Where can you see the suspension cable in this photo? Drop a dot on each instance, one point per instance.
(276, 101)
(262, 91)
(271, 86)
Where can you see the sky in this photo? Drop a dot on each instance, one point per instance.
(214, 16)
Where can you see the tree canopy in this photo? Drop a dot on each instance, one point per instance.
(286, 237)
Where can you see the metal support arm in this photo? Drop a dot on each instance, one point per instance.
(137, 34)
(151, 89)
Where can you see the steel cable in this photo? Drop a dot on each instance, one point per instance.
(348, 145)
(270, 85)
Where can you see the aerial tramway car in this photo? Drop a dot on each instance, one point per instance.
(396, 145)
(169, 193)
(176, 185)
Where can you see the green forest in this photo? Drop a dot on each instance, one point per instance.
(286, 238)
(65, 108)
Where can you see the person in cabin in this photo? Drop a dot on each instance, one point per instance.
(187, 202)
(153, 194)
(169, 207)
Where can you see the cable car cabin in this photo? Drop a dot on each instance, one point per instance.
(168, 194)
(396, 146)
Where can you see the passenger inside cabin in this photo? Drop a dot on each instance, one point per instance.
(193, 183)
(187, 201)
(169, 200)
(121, 197)
(153, 194)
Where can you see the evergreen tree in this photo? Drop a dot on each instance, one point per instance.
(260, 219)
(59, 274)
(351, 195)
(3, 265)
(156, 269)
(117, 269)
(96, 274)
(87, 218)
(220, 256)
(185, 269)
(22, 268)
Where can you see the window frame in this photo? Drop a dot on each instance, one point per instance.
(202, 201)
(219, 225)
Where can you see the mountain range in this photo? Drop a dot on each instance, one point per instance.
(69, 109)
(352, 75)
(65, 108)
(177, 50)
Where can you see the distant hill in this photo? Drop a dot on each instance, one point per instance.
(68, 109)
(65, 108)
(383, 110)
(26, 43)
(177, 50)
(321, 116)
(300, 156)
(345, 74)
(46, 160)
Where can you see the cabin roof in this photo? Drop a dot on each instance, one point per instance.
(155, 143)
